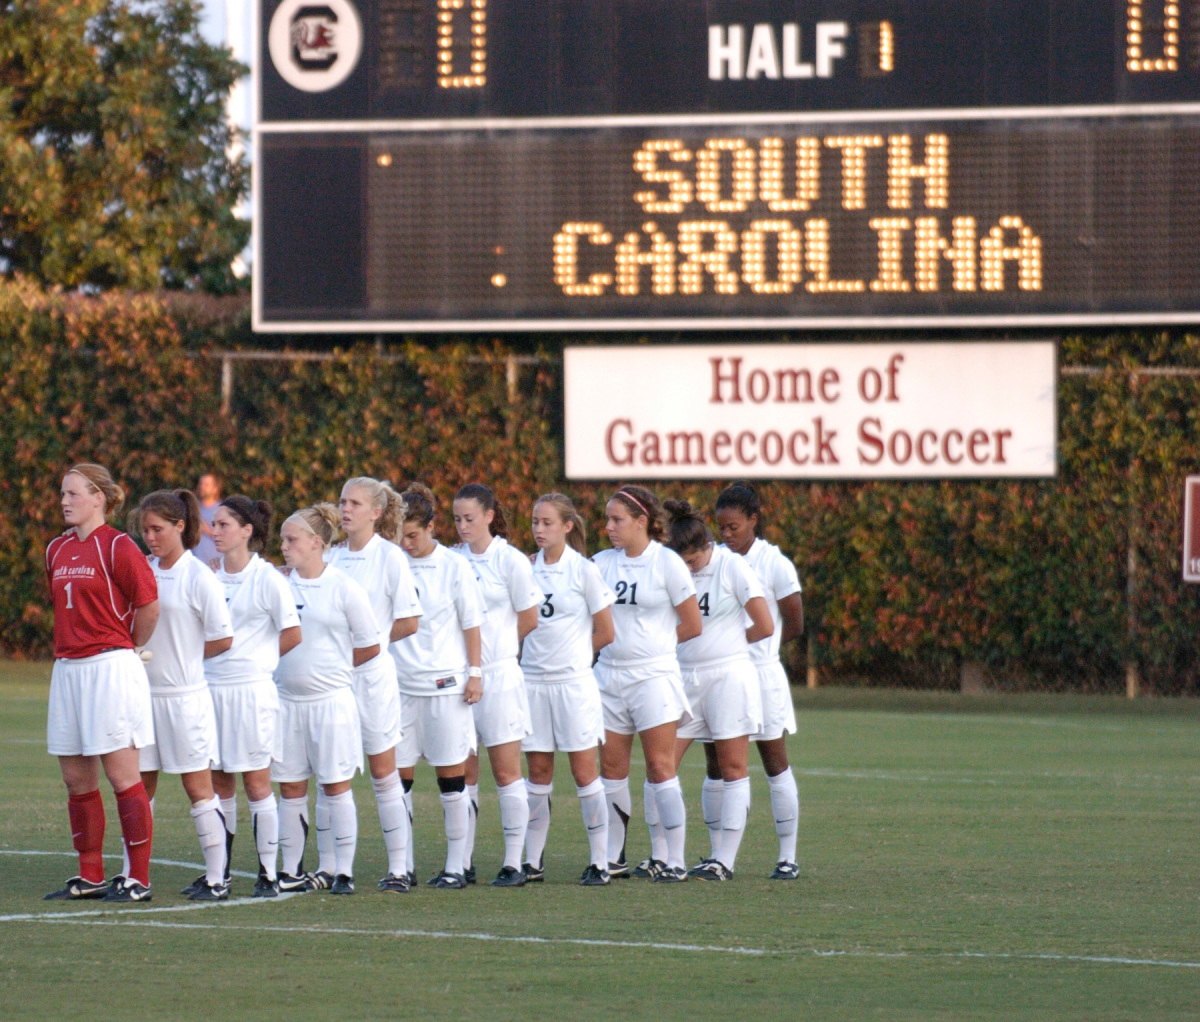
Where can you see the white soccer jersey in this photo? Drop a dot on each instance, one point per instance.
(506, 580)
(381, 568)
(779, 579)
(723, 588)
(260, 607)
(191, 612)
(648, 589)
(560, 647)
(452, 601)
(335, 620)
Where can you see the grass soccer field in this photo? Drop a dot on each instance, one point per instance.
(962, 858)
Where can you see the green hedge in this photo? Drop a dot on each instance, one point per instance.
(903, 581)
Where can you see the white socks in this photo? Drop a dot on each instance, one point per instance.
(785, 807)
(658, 836)
(711, 797)
(412, 841)
(229, 811)
(293, 833)
(326, 860)
(343, 821)
(264, 818)
(595, 820)
(734, 810)
(472, 818)
(514, 818)
(538, 828)
(210, 829)
(456, 811)
(393, 821)
(672, 813)
(616, 794)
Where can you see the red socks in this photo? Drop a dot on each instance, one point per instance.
(86, 813)
(137, 827)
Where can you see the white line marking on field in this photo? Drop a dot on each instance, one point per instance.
(155, 862)
(135, 920)
(135, 916)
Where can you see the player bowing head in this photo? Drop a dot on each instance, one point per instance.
(739, 521)
(502, 713)
(439, 673)
(322, 736)
(719, 680)
(640, 685)
(372, 516)
(105, 604)
(245, 699)
(564, 699)
(193, 625)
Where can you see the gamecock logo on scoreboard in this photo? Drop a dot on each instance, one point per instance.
(315, 47)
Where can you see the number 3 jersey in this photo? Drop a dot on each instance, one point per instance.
(723, 586)
(560, 648)
(648, 588)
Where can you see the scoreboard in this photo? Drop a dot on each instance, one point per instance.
(666, 164)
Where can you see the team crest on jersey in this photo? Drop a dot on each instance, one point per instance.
(315, 46)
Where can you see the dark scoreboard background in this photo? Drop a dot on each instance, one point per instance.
(641, 163)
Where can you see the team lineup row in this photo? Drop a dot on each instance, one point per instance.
(387, 648)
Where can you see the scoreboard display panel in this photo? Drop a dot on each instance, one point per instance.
(643, 164)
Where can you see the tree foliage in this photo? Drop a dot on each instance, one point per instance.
(114, 169)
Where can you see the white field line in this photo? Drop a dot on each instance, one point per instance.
(155, 862)
(134, 919)
(135, 916)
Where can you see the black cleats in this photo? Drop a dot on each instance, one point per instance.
(510, 877)
(450, 882)
(78, 889)
(671, 875)
(533, 874)
(648, 869)
(396, 884)
(127, 890)
(210, 892)
(342, 884)
(594, 876)
(264, 888)
(785, 871)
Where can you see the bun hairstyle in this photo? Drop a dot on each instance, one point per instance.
(741, 496)
(419, 504)
(255, 513)
(576, 536)
(686, 530)
(320, 519)
(100, 480)
(171, 506)
(641, 503)
(487, 500)
(381, 495)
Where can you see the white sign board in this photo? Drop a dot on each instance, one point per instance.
(811, 411)
(1191, 529)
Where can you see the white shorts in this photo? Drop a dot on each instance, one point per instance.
(99, 704)
(378, 697)
(248, 732)
(567, 716)
(725, 701)
(636, 699)
(502, 715)
(321, 738)
(185, 733)
(779, 714)
(441, 729)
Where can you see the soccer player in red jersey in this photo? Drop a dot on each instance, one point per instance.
(105, 605)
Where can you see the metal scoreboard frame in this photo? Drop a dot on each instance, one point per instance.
(604, 165)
